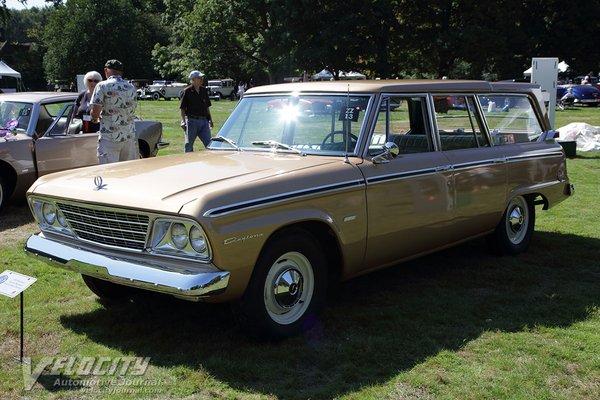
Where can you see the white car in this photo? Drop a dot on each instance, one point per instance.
(164, 89)
(224, 88)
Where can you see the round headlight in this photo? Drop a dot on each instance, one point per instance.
(49, 213)
(61, 219)
(179, 235)
(197, 240)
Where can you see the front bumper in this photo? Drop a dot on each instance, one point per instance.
(186, 284)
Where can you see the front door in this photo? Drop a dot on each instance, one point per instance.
(63, 146)
(409, 199)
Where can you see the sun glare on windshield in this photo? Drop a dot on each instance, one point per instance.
(289, 113)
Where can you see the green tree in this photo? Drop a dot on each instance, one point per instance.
(83, 34)
(23, 50)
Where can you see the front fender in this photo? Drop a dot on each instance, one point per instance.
(237, 239)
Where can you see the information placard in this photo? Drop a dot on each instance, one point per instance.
(12, 283)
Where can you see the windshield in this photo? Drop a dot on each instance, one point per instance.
(14, 115)
(314, 124)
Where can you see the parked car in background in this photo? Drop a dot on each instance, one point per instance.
(306, 184)
(578, 80)
(584, 94)
(39, 135)
(162, 90)
(225, 88)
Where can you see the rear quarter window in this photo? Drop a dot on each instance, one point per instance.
(510, 119)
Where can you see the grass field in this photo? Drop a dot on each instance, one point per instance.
(459, 324)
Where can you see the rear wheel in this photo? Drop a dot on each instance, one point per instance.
(287, 287)
(143, 149)
(513, 233)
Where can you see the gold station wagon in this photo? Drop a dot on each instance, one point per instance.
(307, 183)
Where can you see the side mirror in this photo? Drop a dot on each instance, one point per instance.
(390, 151)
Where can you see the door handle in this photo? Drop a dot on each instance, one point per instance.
(500, 160)
(443, 168)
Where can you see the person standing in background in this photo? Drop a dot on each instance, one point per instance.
(82, 104)
(116, 99)
(195, 112)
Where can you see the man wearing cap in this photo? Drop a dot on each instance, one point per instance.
(116, 99)
(195, 112)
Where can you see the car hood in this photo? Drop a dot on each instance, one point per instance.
(168, 183)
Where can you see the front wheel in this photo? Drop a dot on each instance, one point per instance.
(107, 291)
(287, 287)
(155, 96)
(514, 232)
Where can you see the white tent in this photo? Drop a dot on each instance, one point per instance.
(324, 75)
(352, 75)
(5, 70)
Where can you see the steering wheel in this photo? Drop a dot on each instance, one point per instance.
(330, 136)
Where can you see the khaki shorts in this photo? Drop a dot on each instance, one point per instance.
(110, 152)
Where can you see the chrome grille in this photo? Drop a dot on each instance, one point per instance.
(106, 226)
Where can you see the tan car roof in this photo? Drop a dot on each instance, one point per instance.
(383, 86)
(37, 97)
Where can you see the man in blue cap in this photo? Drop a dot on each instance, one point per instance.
(195, 112)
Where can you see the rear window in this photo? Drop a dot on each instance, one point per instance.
(510, 119)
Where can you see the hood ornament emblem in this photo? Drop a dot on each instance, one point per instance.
(98, 183)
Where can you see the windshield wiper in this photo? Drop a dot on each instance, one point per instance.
(226, 140)
(276, 145)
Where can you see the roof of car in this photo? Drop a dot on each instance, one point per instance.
(383, 86)
(37, 97)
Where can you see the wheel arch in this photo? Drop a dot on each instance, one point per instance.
(324, 235)
(10, 176)
(537, 197)
(144, 148)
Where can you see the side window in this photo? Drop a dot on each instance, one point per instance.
(58, 119)
(401, 120)
(459, 124)
(510, 119)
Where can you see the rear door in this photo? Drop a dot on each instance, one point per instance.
(480, 169)
(63, 146)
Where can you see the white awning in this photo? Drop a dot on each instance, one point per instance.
(5, 70)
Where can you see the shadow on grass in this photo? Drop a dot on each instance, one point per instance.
(377, 326)
(15, 215)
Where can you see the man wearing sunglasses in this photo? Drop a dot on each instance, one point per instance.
(116, 99)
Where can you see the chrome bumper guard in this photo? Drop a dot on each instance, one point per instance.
(162, 145)
(188, 285)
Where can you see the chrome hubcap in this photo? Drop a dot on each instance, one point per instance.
(517, 220)
(289, 288)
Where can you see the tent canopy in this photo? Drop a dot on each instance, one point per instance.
(323, 75)
(5, 70)
(326, 75)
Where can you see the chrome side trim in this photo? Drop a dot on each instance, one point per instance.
(534, 156)
(403, 175)
(220, 211)
(190, 284)
(479, 163)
